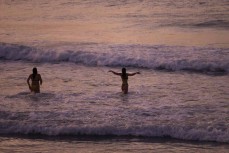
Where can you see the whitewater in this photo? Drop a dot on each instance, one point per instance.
(160, 57)
(81, 100)
(179, 102)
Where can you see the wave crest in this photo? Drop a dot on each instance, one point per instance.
(205, 60)
(184, 133)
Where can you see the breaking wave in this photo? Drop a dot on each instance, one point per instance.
(170, 58)
(172, 131)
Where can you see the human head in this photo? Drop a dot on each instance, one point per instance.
(123, 70)
(34, 70)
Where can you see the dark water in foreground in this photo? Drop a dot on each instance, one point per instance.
(105, 145)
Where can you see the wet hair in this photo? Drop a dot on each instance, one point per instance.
(34, 72)
(124, 75)
(123, 70)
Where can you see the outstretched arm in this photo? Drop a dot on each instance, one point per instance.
(132, 74)
(114, 72)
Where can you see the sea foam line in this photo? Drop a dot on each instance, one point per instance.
(151, 57)
(177, 132)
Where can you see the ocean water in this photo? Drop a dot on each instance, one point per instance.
(179, 102)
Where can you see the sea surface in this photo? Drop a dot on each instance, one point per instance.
(179, 102)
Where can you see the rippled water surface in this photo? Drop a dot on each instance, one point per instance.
(88, 101)
(179, 102)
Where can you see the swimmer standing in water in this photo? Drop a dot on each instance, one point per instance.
(124, 77)
(36, 81)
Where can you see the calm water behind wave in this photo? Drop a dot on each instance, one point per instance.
(196, 13)
(192, 23)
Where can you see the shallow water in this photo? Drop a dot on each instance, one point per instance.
(121, 145)
(88, 101)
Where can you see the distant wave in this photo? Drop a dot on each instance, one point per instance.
(218, 24)
(194, 59)
(172, 131)
(214, 23)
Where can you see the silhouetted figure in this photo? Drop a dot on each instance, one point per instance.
(36, 81)
(124, 77)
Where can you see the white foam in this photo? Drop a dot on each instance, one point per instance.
(152, 57)
(173, 131)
